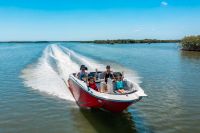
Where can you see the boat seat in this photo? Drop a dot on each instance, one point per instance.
(127, 85)
(100, 75)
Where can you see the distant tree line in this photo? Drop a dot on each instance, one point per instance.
(191, 43)
(130, 41)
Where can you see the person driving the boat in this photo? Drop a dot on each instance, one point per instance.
(119, 84)
(108, 73)
(82, 75)
(91, 83)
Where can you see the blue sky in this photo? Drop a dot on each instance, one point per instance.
(98, 19)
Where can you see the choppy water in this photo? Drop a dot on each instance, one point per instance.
(33, 97)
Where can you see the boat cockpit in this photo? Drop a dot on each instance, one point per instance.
(110, 86)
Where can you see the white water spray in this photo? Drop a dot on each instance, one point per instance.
(48, 73)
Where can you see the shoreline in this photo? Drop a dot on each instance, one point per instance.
(119, 41)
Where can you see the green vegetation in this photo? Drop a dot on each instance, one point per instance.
(191, 43)
(130, 41)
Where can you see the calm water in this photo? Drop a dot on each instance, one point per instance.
(33, 97)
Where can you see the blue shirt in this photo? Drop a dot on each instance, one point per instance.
(82, 75)
(119, 85)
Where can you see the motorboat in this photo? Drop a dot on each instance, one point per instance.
(108, 99)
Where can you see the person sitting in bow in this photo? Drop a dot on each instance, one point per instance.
(119, 84)
(91, 83)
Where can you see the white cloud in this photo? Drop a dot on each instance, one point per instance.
(164, 3)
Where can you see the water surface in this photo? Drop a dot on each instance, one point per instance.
(33, 97)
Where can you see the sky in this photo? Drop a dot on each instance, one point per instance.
(56, 20)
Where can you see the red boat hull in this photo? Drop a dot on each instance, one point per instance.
(85, 99)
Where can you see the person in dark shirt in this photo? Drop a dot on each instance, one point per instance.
(108, 73)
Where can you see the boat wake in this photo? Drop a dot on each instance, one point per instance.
(55, 64)
(47, 74)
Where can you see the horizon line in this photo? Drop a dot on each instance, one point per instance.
(85, 40)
